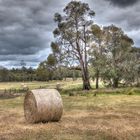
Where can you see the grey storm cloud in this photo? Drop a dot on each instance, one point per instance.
(26, 26)
(22, 26)
(25, 30)
(123, 3)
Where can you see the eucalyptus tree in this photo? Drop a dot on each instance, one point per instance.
(132, 68)
(60, 59)
(98, 51)
(45, 70)
(72, 33)
(118, 48)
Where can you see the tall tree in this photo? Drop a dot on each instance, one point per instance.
(73, 34)
(46, 68)
(118, 47)
(98, 51)
(59, 57)
(132, 68)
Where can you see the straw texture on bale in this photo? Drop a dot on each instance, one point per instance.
(43, 105)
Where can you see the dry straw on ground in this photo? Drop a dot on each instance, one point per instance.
(43, 105)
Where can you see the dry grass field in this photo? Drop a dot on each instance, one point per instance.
(104, 117)
(35, 84)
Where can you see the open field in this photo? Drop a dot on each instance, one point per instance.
(104, 117)
(35, 84)
(69, 83)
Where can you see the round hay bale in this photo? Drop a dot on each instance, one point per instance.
(43, 105)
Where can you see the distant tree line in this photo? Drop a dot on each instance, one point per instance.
(15, 74)
(42, 73)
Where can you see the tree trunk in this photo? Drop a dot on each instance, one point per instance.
(97, 79)
(115, 82)
(85, 78)
(86, 84)
(138, 81)
(73, 75)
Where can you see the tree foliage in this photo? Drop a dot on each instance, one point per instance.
(73, 36)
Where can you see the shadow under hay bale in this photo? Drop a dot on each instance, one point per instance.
(43, 105)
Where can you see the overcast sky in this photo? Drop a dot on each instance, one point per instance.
(26, 26)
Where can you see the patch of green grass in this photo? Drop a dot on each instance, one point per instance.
(11, 103)
(120, 91)
(91, 102)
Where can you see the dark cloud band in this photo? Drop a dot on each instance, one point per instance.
(123, 3)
